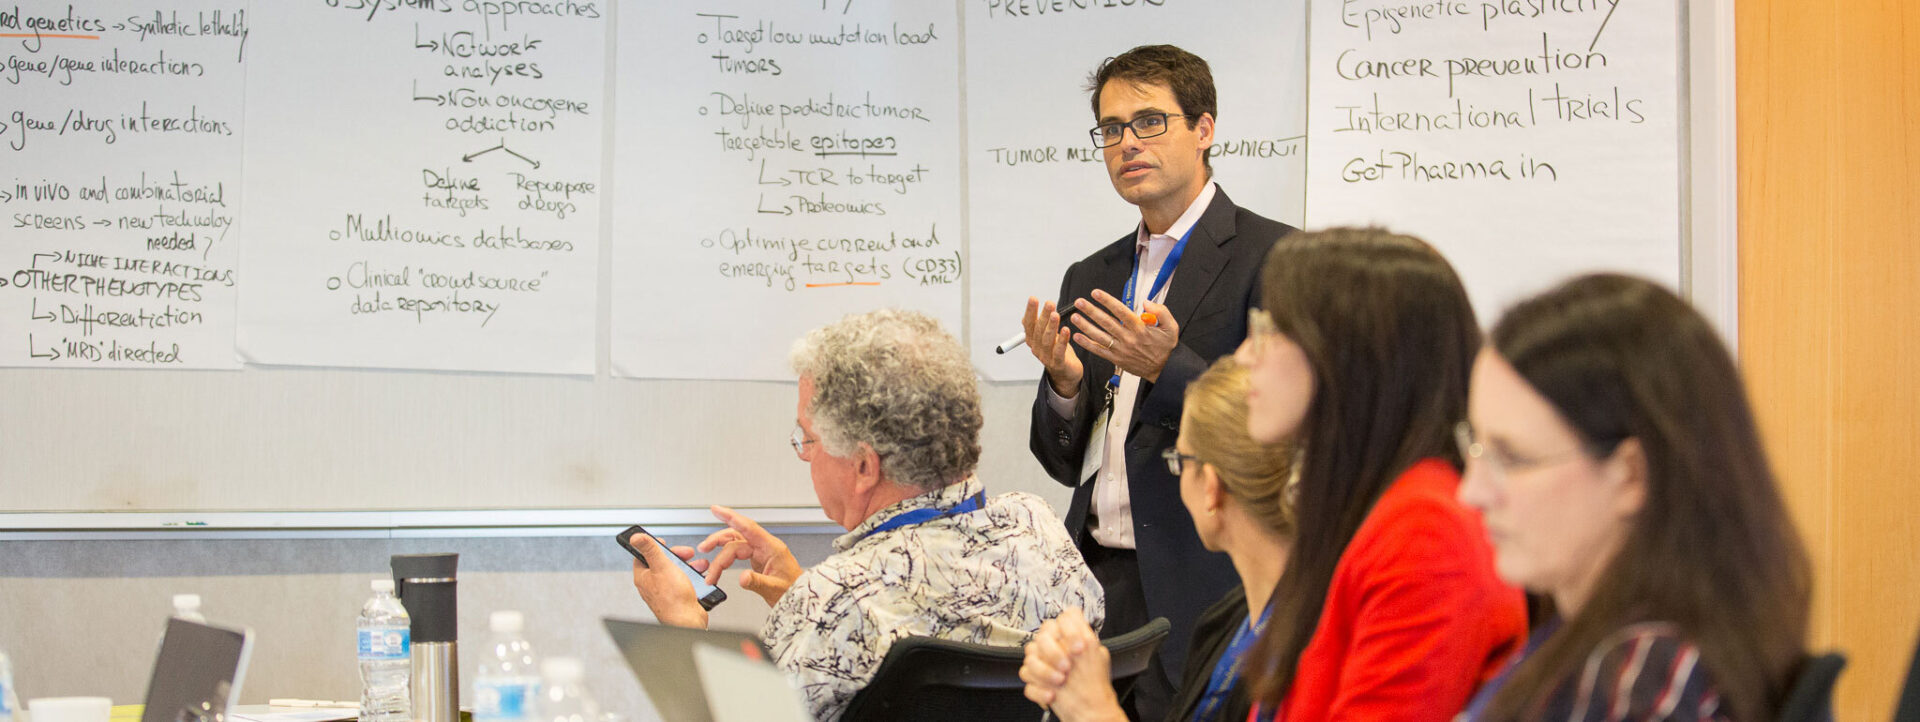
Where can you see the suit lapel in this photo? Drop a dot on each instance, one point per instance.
(1203, 259)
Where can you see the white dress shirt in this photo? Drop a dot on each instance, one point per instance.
(1106, 461)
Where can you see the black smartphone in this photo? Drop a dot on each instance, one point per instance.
(710, 595)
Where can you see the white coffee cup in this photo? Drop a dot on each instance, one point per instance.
(70, 709)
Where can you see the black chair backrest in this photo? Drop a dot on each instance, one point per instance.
(937, 680)
(1129, 653)
(1909, 707)
(1811, 698)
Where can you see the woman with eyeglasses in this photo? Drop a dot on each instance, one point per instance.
(1390, 608)
(1234, 487)
(1613, 455)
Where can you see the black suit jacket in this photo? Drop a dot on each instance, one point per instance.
(1211, 637)
(1217, 280)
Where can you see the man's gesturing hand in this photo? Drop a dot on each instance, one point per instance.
(1112, 331)
(1050, 343)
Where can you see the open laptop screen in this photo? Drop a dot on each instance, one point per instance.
(662, 658)
(198, 672)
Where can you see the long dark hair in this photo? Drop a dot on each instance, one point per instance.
(1390, 336)
(1712, 549)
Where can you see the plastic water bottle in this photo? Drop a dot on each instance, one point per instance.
(187, 606)
(564, 698)
(9, 700)
(508, 685)
(385, 643)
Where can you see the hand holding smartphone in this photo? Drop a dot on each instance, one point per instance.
(710, 596)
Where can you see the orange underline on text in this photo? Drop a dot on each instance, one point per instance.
(39, 35)
(831, 285)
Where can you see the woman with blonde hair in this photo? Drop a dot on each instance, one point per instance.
(1234, 487)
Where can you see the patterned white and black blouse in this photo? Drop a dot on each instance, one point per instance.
(989, 576)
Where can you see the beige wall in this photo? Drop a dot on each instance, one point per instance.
(1829, 142)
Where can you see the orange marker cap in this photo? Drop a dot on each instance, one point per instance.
(1149, 319)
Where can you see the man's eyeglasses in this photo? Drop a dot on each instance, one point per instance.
(800, 441)
(1107, 135)
(1176, 460)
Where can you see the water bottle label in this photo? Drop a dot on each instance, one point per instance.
(381, 643)
(504, 699)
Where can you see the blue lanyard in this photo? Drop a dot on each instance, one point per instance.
(1159, 282)
(1221, 684)
(922, 516)
(1478, 706)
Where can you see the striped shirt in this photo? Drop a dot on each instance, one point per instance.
(1647, 671)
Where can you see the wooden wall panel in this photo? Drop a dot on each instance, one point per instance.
(1786, 228)
(1877, 540)
(1829, 145)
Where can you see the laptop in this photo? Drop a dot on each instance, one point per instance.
(677, 666)
(744, 689)
(198, 673)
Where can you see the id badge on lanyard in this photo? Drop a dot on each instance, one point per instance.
(1160, 280)
(1096, 445)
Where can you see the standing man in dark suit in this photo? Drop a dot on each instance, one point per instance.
(1110, 402)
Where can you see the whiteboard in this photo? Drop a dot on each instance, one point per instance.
(122, 184)
(279, 439)
(1529, 142)
(423, 187)
(798, 165)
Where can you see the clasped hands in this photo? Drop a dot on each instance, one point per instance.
(1068, 671)
(670, 595)
(1106, 328)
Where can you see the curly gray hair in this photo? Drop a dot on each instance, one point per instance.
(896, 381)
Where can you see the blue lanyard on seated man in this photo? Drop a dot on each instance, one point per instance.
(927, 514)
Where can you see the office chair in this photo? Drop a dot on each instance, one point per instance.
(937, 680)
(1909, 707)
(1811, 697)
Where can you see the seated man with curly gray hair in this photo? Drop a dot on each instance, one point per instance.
(889, 423)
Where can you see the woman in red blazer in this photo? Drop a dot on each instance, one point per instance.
(1390, 608)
